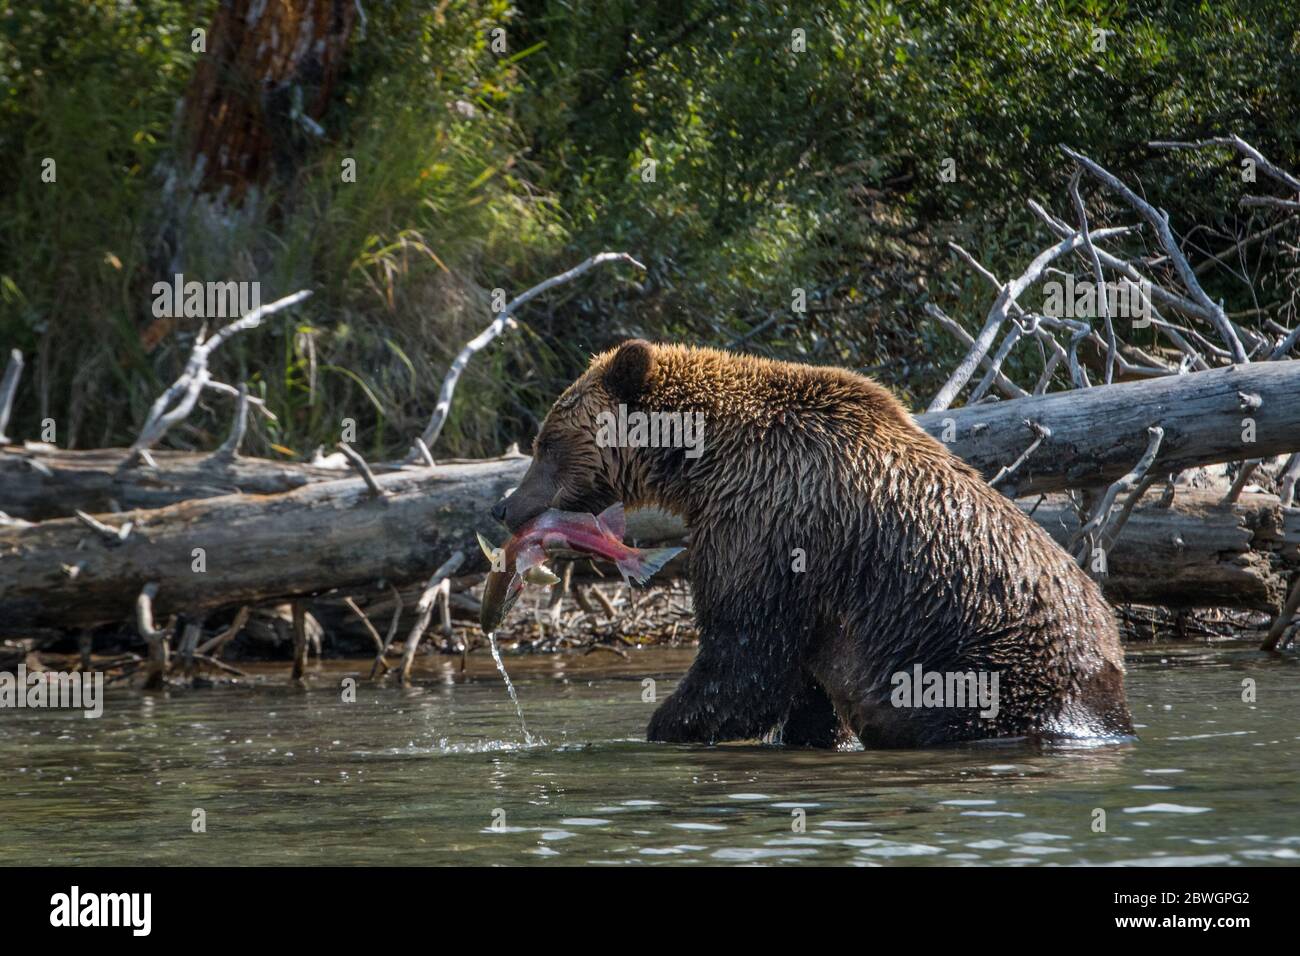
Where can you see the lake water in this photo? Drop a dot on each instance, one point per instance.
(438, 775)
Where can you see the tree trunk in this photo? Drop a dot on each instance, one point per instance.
(208, 553)
(261, 89)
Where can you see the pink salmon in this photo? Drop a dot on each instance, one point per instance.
(521, 558)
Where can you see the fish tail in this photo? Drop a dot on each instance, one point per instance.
(640, 565)
(500, 592)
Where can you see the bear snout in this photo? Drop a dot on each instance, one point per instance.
(519, 507)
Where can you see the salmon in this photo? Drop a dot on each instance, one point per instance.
(521, 559)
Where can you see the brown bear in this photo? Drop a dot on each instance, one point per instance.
(848, 572)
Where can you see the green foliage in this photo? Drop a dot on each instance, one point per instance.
(820, 169)
(401, 259)
(776, 166)
(440, 212)
(90, 85)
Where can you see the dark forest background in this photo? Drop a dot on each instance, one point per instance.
(776, 168)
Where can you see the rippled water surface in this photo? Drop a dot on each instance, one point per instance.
(439, 775)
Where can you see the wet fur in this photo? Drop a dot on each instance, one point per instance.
(911, 558)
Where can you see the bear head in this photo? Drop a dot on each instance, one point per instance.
(573, 469)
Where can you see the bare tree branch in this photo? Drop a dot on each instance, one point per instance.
(1101, 299)
(1159, 221)
(110, 534)
(1286, 487)
(425, 455)
(394, 621)
(363, 469)
(1095, 527)
(424, 610)
(370, 628)
(1041, 432)
(497, 326)
(214, 645)
(8, 388)
(1149, 290)
(156, 638)
(1239, 483)
(1004, 384)
(177, 402)
(1272, 202)
(1274, 641)
(230, 447)
(1241, 146)
(997, 314)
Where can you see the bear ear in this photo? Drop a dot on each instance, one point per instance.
(630, 370)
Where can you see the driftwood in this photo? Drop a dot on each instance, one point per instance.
(1002, 307)
(40, 481)
(499, 324)
(1202, 415)
(1195, 552)
(234, 549)
(1098, 434)
(8, 387)
(201, 555)
(253, 549)
(156, 637)
(437, 589)
(175, 404)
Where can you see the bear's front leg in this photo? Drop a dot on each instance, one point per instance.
(812, 721)
(736, 690)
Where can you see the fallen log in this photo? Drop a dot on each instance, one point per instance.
(1088, 437)
(40, 481)
(242, 548)
(252, 549)
(1195, 552)
(1096, 435)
